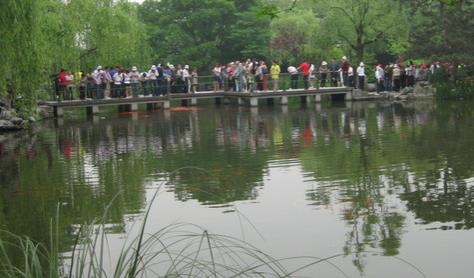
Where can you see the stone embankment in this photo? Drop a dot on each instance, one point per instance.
(11, 121)
(420, 91)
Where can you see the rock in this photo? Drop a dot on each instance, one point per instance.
(32, 119)
(7, 126)
(371, 87)
(45, 111)
(7, 114)
(16, 121)
(423, 89)
(407, 90)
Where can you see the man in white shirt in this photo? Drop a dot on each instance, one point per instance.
(361, 75)
(379, 75)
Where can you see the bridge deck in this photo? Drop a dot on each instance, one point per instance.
(131, 104)
(197, 95)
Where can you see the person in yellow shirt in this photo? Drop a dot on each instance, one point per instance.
(275, 73)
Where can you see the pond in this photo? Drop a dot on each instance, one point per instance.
(388, 188)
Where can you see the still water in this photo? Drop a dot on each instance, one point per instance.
(384, 185)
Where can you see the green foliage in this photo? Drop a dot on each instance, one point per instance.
(443, 30)
(202, 33)
(39, 37)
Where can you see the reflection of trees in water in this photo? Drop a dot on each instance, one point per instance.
(379, 161)
(362, 158)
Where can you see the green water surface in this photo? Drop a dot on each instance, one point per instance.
(373, 181)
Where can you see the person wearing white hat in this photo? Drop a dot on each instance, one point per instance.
(187, 80)
(323, 71)
(153, 79)
(134, 76)
(361, 75)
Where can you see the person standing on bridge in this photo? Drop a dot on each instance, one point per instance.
(323, 71)
(361, 76)
(379, 76)
(345, 71)
(304, 68)
(264, 76)
(117, 90)
(294, 77)
(134, 76)
(153, 77)
(99, 83)
(239, 77)
(194, 81)
(334, 72)
(216, 77)
(312, 76)
(275, 74)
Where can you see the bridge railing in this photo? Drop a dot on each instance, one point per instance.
(205, 83)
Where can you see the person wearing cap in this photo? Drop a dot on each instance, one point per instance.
(153, 77)
(361, 75)
(275, 74)
(134, 77)
(186, 79)
(323, 71)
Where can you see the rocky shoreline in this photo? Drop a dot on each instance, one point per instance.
(11, 121)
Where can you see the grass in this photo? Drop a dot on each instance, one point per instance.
(177, 250)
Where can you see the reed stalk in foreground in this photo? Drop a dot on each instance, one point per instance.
(178, 250)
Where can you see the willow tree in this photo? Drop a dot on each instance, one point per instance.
(38, 37)
(22, 44)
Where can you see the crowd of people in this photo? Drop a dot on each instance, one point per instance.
(248, 76)
(118, 82)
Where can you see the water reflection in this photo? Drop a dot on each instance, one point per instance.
(371, 163)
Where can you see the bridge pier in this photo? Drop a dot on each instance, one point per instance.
(134, 107)
(305, 99)
(284, 101)
(151, 106)
(92, 110)
(348, 96)
(240, 101)
(58, 112)
(166, 104)
(317, 98)
(254, 102)
(193, 101)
